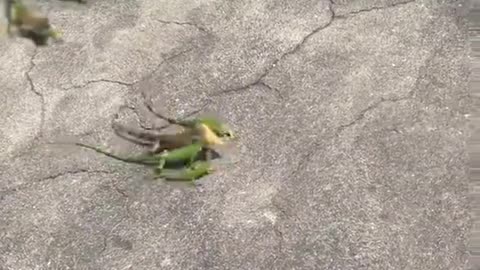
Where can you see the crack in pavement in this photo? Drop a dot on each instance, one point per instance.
(281, 239)
(119, 190)
(361, 115)
(107, 235)
(304, 159)
(259, 80)
(302, 162)
(124, 195)
(382, 100)
(373, 106)
(200, 28)
(183, 117)
(37, 93)
(271, 88)
(79, 86)
(143, 95)
(132, 108)
(298, 46)
(25, 186)
(372, 8)
(165, 61)
(133, 83)
(272, 65)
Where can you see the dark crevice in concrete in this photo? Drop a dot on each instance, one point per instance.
(200, 28)
(38, 93)
(104, 246)
(363, 112)
(124, 195)
(299, 45)
(284, 214)
(375, 105)
(133, 83)
(373, 8)
(382, 100)
(305, 159)
(119, 190)
(274, 89)
(107, 236)
(139, 119)
(51, 177)
(280, 240)
(186, 115)
(79, 171)
(272, 65)
(97, 81)
(165, 61)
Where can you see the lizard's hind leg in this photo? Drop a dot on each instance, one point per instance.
(170, 121)
(139, 137)
(155, 148)
(208, 154)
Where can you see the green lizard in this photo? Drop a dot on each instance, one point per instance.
(184, 156)
(195, 171)
(184, 148)
(187, 157)
(29, 24)
(209, 130)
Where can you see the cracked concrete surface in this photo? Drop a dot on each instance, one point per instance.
(351, 123)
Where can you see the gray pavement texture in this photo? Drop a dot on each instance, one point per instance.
(351, 117)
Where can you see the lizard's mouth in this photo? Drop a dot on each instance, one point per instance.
(208, 136)
(228, 134)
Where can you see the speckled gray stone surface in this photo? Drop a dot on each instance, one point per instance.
(351, 123)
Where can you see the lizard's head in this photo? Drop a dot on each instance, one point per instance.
(207, 135)
(217, 127)
(55, 34)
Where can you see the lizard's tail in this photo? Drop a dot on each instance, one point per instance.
(143, 160)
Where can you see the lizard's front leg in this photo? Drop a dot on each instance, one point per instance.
(181, 156)
(191, 173)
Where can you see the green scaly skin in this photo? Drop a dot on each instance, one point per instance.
(195, 171)
(183, 155)
(191, 171)
(220, 129)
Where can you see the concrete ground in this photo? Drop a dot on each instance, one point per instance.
(351, 123)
